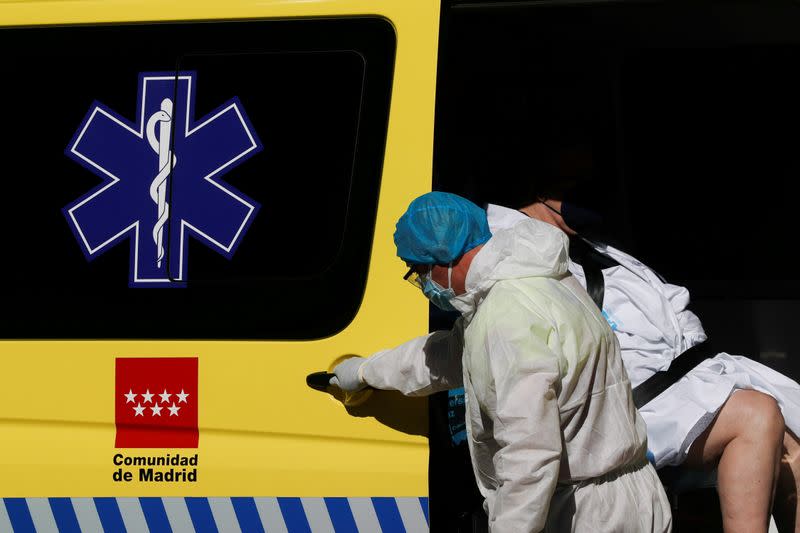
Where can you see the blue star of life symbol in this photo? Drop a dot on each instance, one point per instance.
(161, 179)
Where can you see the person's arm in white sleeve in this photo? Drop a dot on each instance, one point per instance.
(419, 367)
(527, 427)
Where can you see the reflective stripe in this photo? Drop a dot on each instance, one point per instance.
(341, 516)
(412, 515)
(132, 515)
(201, 515)
(424, 503)
(224, 515)
(271, 515)
(294, 515)
(364, 514)
(64, 515)
(41, 515)
(317, 515)
(247, 515)
(109, 513)
(178, 515)
(388, 515)
(155, 515)
(5, 521)
(214, 515)
(87, 516)
(19, 515)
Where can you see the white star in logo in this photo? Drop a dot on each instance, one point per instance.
(156, 410)
(130, 396)
(182, 396)
(147, 396)
(173, 411)
(165, 396)
(139, 410)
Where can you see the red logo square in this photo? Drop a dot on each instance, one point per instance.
(156, 402)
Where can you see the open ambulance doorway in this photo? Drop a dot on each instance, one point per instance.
(678, 119)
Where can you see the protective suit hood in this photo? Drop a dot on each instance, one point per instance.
(531, 248)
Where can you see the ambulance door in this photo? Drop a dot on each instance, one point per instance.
(199, 215)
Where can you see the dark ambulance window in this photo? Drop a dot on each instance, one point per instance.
(198, 180)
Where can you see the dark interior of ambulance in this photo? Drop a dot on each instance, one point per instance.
(678, 121)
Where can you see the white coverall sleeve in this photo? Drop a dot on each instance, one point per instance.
(421, 366)
(527, 425)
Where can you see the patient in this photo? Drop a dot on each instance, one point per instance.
(729, 411)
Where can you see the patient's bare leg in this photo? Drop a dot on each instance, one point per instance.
(745, 442)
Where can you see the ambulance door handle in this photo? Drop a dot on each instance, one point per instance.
(319, 380)
(322, 380)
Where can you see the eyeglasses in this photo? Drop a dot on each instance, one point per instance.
(415, 278)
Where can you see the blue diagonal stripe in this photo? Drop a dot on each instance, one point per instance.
(388, 515)
(247, 515)
(110, 517)
(155, 515)
(19, 515)
(200, 512)
(64, 514)
(341, 515)
(424, 503)
(294, 515)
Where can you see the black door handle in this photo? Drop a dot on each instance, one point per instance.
(319, 380)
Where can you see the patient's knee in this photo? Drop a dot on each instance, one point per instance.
(759, 417)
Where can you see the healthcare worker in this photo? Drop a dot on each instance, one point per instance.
(555, 440)
(728, 412)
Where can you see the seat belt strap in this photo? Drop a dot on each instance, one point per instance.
(595, 284)
(680, 366)
(593, 263)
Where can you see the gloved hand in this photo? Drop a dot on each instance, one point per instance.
(347, 375)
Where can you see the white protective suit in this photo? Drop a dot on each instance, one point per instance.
(555, 440)
(651, 320)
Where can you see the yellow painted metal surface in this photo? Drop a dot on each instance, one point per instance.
(262, 430)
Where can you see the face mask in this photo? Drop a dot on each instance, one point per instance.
(577, 218)
(438, 295)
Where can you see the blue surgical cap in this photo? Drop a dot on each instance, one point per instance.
(440, 227)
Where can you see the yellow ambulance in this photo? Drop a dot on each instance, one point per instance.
(200, 198)
(198, 201)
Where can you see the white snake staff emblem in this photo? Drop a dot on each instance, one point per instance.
(158, 187)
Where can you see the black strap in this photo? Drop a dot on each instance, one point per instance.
(593, 263)
(661, 381)
(595, 284)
